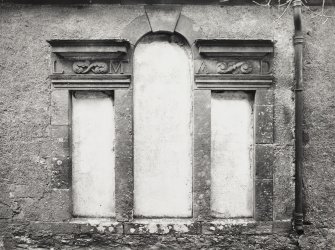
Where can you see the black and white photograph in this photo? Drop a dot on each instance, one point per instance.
(167, 124)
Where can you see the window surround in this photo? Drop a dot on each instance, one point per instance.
(119, 80)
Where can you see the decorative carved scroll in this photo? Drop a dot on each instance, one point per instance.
(83, 67)
(225, 68)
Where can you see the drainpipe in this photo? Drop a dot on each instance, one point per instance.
(298, 49)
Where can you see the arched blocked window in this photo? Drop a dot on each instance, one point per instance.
(162, 127)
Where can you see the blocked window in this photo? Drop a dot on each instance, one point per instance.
(93, 154)
(162, 129)
(232, 166)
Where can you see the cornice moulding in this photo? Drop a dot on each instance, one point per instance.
(109, 48)
(225, 47)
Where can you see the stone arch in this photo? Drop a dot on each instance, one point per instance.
(162, 19)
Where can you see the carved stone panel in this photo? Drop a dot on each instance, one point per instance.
(90, 64)
(217, 66)
(242, 64)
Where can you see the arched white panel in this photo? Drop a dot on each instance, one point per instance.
(162, 128)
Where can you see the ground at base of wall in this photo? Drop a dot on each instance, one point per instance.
(152, 242)
(21, 238)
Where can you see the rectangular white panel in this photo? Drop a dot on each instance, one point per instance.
(162, 130)
(93, 157)
(232, 154)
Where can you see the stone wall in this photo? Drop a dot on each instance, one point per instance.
(34, 197)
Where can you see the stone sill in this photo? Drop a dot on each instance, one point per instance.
(189, 226)
(161, 226)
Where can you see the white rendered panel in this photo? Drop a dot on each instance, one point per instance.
(93, 156)
(162, 130)
(232, 155)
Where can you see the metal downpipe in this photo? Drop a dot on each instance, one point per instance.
(298, 59)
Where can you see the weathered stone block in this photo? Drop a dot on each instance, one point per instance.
(5, 194)
(260, 227)
(202, 111)
(236, 226)
(124, 177)
(264, 198)
(264, 124)
(284, 116)
(264, 160)
(34, 189)
(163, 18)
(60, 107)
(5, 212)
(5, 227)
(53, 206)
(61, 172)
(222, 228)
(37, 227)
(58, 146)
(190, 30)
(167, 226)
(99, 225)
(283, 179)
(136, 29)
(264, 97)
(60, 136)
(5, 169)
(202, 154)
(282, 227)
